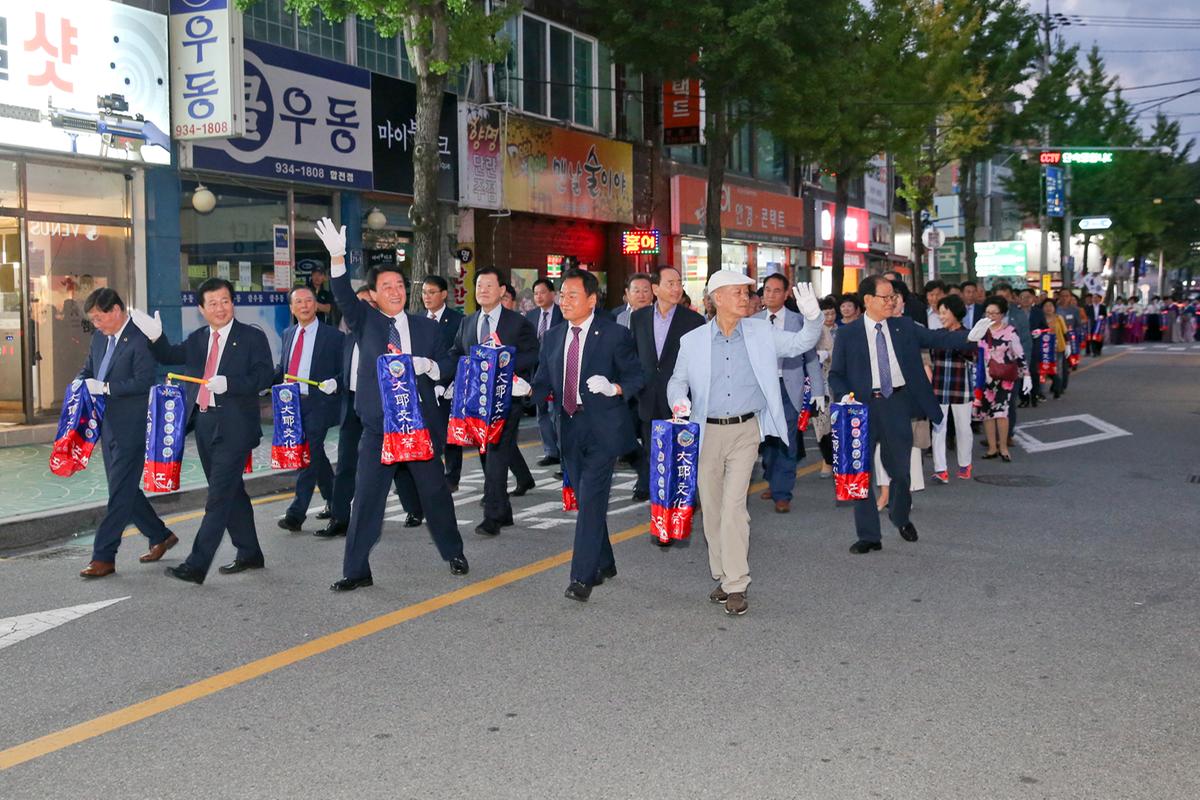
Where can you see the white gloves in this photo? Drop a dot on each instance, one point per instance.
(521, 387)
(598, 384)
(447, 392)
(847, 398)
(821, 403)
(1026, 385)
(979, 330)
(682, 408)
(95, 387)
(217, 384)
(328, 386)
(151, 326)
(331, 236)
(426, 366)
(75, 384)
(823, 356)
(806, 301)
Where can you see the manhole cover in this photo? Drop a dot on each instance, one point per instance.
(1017, 481)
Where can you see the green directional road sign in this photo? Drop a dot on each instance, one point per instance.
(950, 257)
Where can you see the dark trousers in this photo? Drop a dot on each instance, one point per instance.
(780, 457)
(319, 473)
(373, 483)
(123, 463)
(643, 460)
(454, 461)
(889, 423)
(228, 506)
(349, 434)
(590, 470)
(1064, 371)
(501, 457)
(547, 418)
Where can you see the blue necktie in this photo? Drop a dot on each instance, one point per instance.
(394, 340)
(885, 365)
(104, 362)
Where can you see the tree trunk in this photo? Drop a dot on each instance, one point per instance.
(841, 199)
(918, 230)
(970, 207)
(1087, 240)
(430, 87)
(717, 147)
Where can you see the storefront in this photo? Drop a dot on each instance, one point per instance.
(856, 234)
(323, 140)
(762, 231)
(544, 197)
(83, 121)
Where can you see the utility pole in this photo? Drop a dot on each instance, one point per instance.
(1066, 270)
(1043, 260)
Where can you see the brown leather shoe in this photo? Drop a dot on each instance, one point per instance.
(766, 495)
(783, 506)
(98, 569)
(736, 604)
(157, 551)
(718, 595)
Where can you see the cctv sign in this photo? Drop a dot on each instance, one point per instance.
(1053, 157)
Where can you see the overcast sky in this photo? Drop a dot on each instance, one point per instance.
(1157, 64)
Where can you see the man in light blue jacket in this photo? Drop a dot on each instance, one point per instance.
(780, 455)
(729, 367)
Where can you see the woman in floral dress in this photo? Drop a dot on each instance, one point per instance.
(1005, 363)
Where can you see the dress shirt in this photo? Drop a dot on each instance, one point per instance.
(354, 369)
(585, 326)
(545, 321)
(310, 340)
(778, 320)
(222, 340)
(493, 320)
(933, 321)
(436, 316)
(969, 319)
(661, 326)
(897, 376)
(734, 390)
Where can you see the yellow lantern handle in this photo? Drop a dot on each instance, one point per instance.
(171, 376)
(297, 378)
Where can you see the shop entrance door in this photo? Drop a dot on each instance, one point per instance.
(12, 406)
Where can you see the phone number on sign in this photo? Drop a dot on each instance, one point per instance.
(202, 129)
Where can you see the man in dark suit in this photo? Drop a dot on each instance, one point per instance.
(973, 297)
(512, 329)
(543, 318)
(312, 350)
(379, 330)
(589, 364)
(656, 331)
(120, 369)
(1097, 313)
(434, 293)
(878, 358)
(235, 360)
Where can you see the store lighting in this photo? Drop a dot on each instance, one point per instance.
(376, 220)
(203, 200)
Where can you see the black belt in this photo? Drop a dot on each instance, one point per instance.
(731, 420)
(876, 394)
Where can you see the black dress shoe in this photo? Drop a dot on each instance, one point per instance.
(640, 495)
(290, 524)
(237, 565)
(334, 528)
(663, 544)
(548, 461)
(325, 513)
(558, 474)
(453, 487)
(909, 533)
(863, 546)
(522, 489)
(185, 573)
(578, 591)
(350, 584)
(459, 566)
(488, 527)
(412, 521)
(603, 574)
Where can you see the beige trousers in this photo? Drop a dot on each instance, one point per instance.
(727, 458)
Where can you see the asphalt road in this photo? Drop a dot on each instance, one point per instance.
(1039, 641)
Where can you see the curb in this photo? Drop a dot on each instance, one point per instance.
(32, 530)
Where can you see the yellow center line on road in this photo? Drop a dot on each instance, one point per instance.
(1104, 360)
(107, 723)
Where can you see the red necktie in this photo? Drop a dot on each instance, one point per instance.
(297, 351)
(204, 398)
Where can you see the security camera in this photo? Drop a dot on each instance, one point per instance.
(1025, 156)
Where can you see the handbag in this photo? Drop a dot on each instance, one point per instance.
(1002, 370)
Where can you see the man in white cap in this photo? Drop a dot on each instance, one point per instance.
(730, 369)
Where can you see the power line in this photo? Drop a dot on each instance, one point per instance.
(1156, 50)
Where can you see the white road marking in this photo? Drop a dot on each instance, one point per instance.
(1031, 444)
(19, 628)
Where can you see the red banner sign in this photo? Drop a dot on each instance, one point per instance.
(683, 115)
(746, 213)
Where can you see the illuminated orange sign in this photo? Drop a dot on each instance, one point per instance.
(640, 243)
